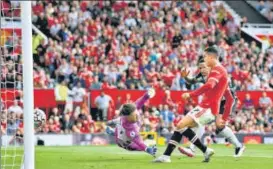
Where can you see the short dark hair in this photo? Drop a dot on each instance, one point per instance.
(200, 60)
(213, 50)
(127, 109)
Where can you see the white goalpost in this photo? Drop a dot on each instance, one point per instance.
(28, 85)
(16, 86)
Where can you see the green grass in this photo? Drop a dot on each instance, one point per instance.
(112, 157)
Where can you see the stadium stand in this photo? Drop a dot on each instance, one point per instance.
(264, 7)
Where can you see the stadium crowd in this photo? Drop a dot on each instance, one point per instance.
(265, 8)
(136, 45)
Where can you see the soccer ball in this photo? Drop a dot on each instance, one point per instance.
(39, 118)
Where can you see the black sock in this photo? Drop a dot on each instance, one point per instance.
(194, 139)
(200, 145)
(174, 141)
(219, 130)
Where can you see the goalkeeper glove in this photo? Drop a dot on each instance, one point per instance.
(110, 131)
(151, 92)
(151, 150)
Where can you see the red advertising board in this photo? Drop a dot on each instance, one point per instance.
(46, 98)
(252, 139)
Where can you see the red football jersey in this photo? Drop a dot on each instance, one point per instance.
(213, 90)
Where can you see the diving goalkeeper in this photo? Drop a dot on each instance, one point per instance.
(127, 126)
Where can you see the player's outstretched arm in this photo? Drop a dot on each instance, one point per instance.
(207, 86)
(113, 122)
(110, 131)
(149, 94)
(213, 79)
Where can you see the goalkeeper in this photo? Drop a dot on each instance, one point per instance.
(127, 126)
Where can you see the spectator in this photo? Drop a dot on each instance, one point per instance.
(15, 108)
(118, 103)
(42, 24)
(64, 97)
(128, 99)
(176, 39)
(167, 116)
(233, 30)
(61, 91)
(79, 93)
(269, 15)
(248, 103)
(53, 125)
(77, 128)
(146, 122)
(2, 105)
(260, 6)
(53, 113)
(102, 103)
(11, 123)
(19, 82)
(96, 84)
(167, 99)
(265, 101)
(67, 123)
(265, 8)
(154, 120)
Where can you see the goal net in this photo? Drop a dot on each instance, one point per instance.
(12, 87)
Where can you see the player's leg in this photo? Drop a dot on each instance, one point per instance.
(227, 133)
(199, 130)
(190, 151)
(184, 129)
(201, 117)
(175, 139)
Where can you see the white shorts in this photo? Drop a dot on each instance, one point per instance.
(201, 116)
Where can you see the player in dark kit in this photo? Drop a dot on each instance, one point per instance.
(207, 111)
(223, 131)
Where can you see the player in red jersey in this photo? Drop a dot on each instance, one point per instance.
(213, 90)
(228, 104)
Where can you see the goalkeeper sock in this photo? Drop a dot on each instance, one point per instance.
(229, 135)
(194, 139)
(174, 141)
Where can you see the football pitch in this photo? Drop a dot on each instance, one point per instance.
(113, 157)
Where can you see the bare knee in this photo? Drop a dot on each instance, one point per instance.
(186, 122)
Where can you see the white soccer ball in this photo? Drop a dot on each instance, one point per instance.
(39, 118)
